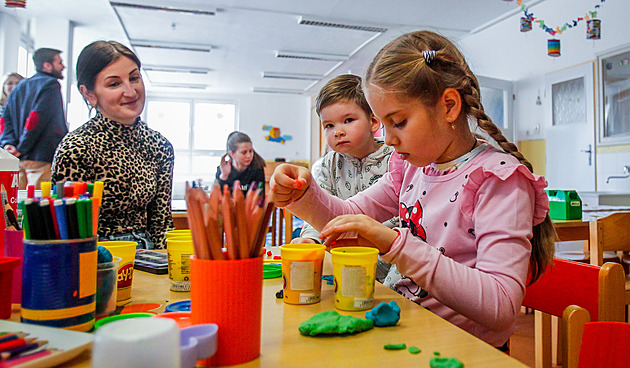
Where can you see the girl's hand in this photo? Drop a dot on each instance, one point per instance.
(371, 232)
(303, 241)
(225, 166)
(288, 184)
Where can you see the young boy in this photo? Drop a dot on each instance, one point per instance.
(357, 159)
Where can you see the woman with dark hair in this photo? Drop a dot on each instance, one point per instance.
(241, 163)
(116, 147)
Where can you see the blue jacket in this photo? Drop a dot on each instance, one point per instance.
(33, 119)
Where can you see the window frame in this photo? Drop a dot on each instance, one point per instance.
(600, 103)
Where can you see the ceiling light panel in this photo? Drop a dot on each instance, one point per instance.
(277, 90)
(292, 76)
(181, 46)
(162, 8)
(310, 56)
(309, 21)
(176, 69)
(179, 85)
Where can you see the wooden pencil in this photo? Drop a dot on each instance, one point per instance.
(245, 243)
(231, 236)
(213, 229)
(195, 222)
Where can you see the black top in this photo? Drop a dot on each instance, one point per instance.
(246, 177)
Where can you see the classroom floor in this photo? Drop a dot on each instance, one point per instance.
(522, 342)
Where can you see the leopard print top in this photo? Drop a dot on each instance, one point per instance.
(136, 165)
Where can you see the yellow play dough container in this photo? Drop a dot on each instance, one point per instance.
(179, 232)
(354, 269)
(126, 250)
(302, 272)
(179, 248)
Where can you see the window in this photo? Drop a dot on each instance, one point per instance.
(197, 130)
(614, 114)
(496, 97)
(25, 62)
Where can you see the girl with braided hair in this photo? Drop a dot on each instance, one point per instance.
(473, 218)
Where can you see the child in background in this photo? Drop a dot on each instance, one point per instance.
(356, 159)
(473, 218)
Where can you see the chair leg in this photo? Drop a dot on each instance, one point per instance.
(556, 341)
(542, 339)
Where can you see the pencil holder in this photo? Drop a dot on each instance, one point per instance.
(229, 294)
(13, 247)
(59, 283)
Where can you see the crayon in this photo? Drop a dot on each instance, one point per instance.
(62, 224)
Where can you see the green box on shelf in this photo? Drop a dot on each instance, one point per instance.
(564, 205)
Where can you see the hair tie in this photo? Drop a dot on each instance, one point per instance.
(429, 56)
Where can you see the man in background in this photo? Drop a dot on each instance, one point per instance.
(34, 122)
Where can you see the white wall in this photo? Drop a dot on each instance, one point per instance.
(9, 43)
(502, 51)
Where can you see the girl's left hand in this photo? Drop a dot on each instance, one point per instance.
(371, 232)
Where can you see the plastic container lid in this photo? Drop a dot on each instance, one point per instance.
(181, 306)
(118, 317)
(183, 319)
(271, 271)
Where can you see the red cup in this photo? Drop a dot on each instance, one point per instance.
(229, 294)
(14, 247)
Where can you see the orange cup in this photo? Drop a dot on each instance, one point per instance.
(228, 293)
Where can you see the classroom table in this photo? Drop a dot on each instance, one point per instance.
(282, 344)
(570, 230)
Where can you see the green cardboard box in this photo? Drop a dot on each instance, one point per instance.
(564, 205)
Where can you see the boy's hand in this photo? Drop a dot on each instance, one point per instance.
(288, 184)
(303, 240)
(371, 232)
(225, 166)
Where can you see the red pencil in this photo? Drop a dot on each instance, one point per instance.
(15, 343)
(22, 349)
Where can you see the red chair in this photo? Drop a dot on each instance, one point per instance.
(600, 290)
(593, 344)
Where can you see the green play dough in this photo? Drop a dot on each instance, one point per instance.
(331, 322)
(395, 346)
(414, 350)
(440, 362)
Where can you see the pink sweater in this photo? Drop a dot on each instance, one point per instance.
(464, 236)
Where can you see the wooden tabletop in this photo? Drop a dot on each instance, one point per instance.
(283, 345)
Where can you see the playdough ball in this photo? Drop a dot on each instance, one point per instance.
(384, 314)
(440, 362)
(104, 255)
(331, 322)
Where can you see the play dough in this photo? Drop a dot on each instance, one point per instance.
(384, 314)
(440, 362)
(414, 350)
(104, 255)
(395, 346)
(331, 322)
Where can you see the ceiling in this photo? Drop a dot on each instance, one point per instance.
(245, 46)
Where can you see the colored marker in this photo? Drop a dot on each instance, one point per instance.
(25, 227)
(98, 189)
(71, 218)
(30, 191)
(62, 223)
(68, 189)
(89, 229)
(96, 207)
(47, 220)
(90, 188)
(59, 189)
(81, 217)
(78, 186)
(45, 189)
(35, 219)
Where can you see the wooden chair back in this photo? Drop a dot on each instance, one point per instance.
(600, 290)
(610, 233)
(593, 344)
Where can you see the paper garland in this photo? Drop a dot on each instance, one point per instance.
(15, 3)
(559, 29)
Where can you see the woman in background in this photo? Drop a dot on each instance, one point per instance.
(8, 83)
(116, 147)
(241, 163)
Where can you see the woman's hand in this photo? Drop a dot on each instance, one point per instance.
(371, 232)
(225, 166)
(288, 184)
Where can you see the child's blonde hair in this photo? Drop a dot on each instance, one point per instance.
(423, 65)
(4, 97)
(345, 87)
